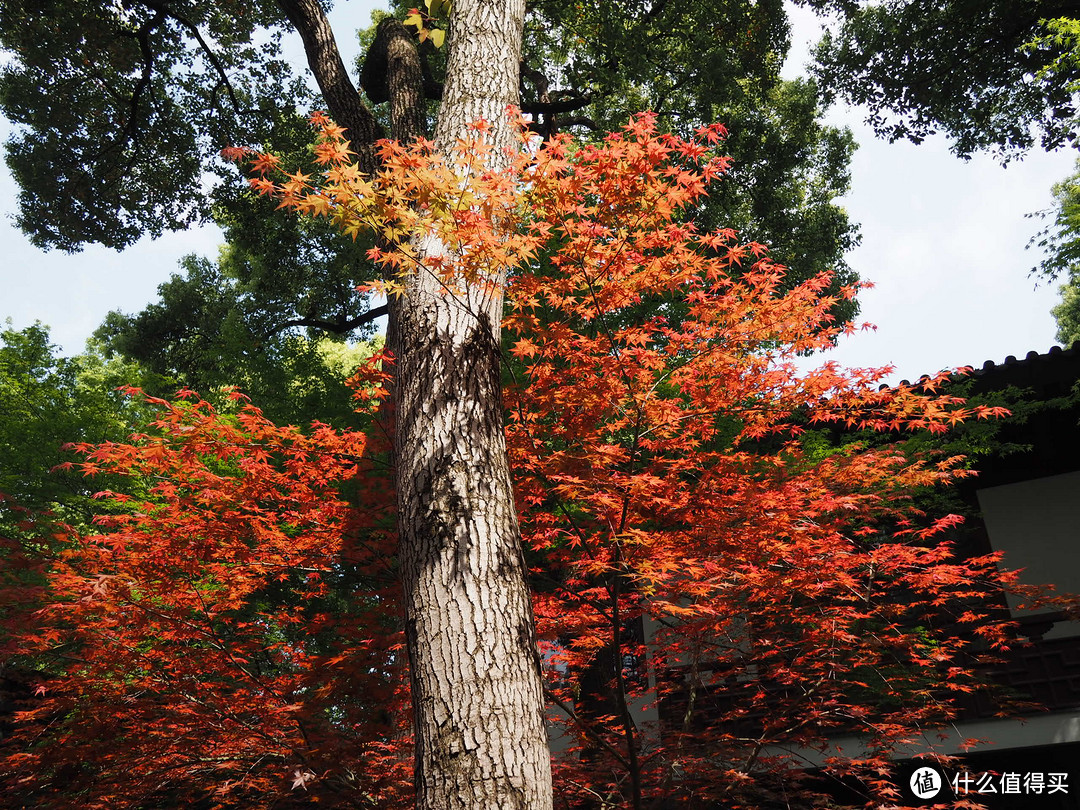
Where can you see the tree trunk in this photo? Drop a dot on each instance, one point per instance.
(481, 742)
(476, 679)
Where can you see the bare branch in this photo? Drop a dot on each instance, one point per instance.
(211, 57)
(338, 327)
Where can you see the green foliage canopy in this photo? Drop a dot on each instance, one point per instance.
(692, 63)
(987, 73)
(121, 107)
(48, 401)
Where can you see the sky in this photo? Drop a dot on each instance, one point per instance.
(943, 240)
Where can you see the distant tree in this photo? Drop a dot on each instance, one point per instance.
(1067, 314)
(48, 401)
(1060, 240)
(1060, 243)
(252, 317)
(206, 333)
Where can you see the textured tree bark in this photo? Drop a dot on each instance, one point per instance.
(341, 96)
(394, 72)
(476, 679)
(481, 742)
(404, 80)
(480, 738)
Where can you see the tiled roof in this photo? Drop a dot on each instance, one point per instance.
(1031, 358)
(1051, 374)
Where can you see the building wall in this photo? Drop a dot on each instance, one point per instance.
(1037, 524)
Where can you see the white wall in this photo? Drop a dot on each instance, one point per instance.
(1037, 524)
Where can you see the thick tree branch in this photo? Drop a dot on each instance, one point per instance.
(342, 97)
(581, 121)
(130, 132)
(406, 81)
(548, 105)
(338, 327)
(393, 72)
(539, 80)
(555, 107)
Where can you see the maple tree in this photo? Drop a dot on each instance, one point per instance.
(182, 78)
(208, 620)
(234, 635)
(134, 155)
